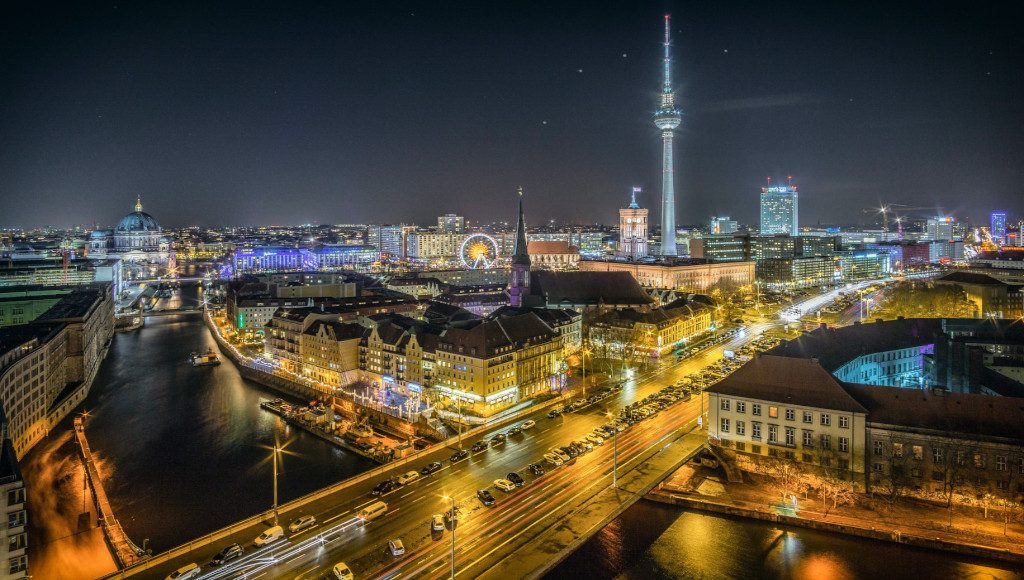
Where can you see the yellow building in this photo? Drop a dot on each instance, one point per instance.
(691, 275)
(329, 352)
(658, 330)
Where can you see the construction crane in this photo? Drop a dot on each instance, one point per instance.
(892, 208)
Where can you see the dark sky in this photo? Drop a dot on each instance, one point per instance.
(290, 113)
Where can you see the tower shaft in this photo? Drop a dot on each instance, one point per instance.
(667, 118)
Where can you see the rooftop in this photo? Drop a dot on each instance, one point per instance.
(788, 381)
(971, 278)
(834, 347)
(589, 288)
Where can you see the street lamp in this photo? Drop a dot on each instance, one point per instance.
(585, 352)
(452, 520)
(277, 450)
(615, 453)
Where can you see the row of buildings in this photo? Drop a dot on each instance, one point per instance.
(907, 406)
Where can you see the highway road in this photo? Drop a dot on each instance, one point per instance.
(483, 533)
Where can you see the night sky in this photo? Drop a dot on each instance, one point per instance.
(288, 113)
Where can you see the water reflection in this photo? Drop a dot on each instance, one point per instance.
(656, 541)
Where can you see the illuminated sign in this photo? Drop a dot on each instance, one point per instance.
(779, 189)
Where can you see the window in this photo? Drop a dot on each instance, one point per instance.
(826, 461)
(1000, 463)
(755, 449)
(826, 442)
(755, 408)
(844, 444)
(808, 439)
(897, 450)
(773, 433)
(16, 542)
(773, 411)
(790, 436)
(808, 417)
(16, 496)
(790, 414)
(826, 419)
(740, 446)
(844, 464)
(915, 472)
(1020, 465)
(844, 422)
(937, 455)
(19, 564)
(16, 519)
(725, 425)
(917, 452)
(807, 458)
(741, 407)
(937, 475)
(876, 467)
(1002, 484)
(725, 404)
(755, 431)
(773, 452)
(741, 428)
(979, 460)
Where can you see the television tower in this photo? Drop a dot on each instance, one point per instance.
(667, 118)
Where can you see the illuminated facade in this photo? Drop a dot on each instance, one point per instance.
(722, 225)
(450, 223)
(940, 228)
(274, 259)
(680, 274)
(997, 228)
(633, 230)
(779, 210)
(667, 118)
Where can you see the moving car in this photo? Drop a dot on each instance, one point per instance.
(301, 524)
(528, 424)
(498, 439)
(515, 431)
(458, 455)
(270, 535)
(342, 572)
(437, 523)
(431, 468)
(553, 413)
(485, 497)
(185, 572)
(479, 446)
(227, 554)
(396, 547)
(386, 486)
(515, 478)
(408, 477)
(372, 511)
(504, 485)
(536, 469)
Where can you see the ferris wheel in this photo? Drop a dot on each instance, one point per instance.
(478, 251)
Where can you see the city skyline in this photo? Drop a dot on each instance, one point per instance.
(338, 111)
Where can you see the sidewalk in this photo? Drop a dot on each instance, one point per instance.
(908, 521)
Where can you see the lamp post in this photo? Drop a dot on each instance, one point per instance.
(277, 449)
(615, 453)
(452, 499)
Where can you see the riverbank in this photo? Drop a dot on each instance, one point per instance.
(907, 522)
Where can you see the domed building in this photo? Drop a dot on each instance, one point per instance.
(137, 238)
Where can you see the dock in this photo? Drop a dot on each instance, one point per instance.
(125, 551)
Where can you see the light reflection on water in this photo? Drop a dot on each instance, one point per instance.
(651, 541)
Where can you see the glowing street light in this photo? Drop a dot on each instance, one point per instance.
(615, 453)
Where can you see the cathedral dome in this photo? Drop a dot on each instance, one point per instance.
(138, 221)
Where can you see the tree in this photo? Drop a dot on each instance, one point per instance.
(834, 487)
(894, 478)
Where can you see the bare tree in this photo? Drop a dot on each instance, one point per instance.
(894, 479)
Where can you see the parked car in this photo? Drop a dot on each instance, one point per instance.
(437, 523)
(572, 453)
(396, 547)
(528, 424)
(561, 454)
(515, 478)
(452, 517)
(504, 485)
(301, 524)
(536, 469)
(341, 571)
(479, 446)
(498, 439)
(458, 455)
(386, 486)
(553, 413)
(185, 572)
(485, 497)
(227, 554)
(553, 459)
(408, 477)
(515, 431)
(431, 468)
(269, 536)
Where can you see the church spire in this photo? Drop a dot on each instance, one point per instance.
(520, 255)
(138, 203)
(519, 274)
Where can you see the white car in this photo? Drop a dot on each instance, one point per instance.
(529, 424)
(396, 547)
(408, 477)
(595, 439)
(562, 454)
(437, 523)
(504, 485)
(185, 572)
(342, 572)
(553, 459)
(301, 524)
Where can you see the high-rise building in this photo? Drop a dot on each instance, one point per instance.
(389, 239)
(779, 210)
(997, 230)
(450, 223)
(519, 275)
(667, 118)
(633, 230)
(939, 228)
(722, 225)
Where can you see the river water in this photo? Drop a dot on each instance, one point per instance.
(652, 540)
(184, 450)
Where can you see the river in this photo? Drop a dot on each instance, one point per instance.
(184, 451)
(651, 540)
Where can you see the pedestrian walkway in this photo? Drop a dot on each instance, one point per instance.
(125, 551)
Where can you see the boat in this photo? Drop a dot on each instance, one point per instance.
(359, 430)
(209, 358)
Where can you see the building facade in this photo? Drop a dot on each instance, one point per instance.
(779, 210)
(681, 274)
(633, 230)
(450, 223)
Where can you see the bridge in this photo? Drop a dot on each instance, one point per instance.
(174, 311)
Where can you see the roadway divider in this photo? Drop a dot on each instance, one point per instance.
(264, 516)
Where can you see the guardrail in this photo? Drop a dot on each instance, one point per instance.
(214, 536)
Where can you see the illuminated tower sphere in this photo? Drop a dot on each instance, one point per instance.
(519, 276)
(667, 118)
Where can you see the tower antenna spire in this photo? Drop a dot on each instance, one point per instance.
(668, 53)
(667, 118)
